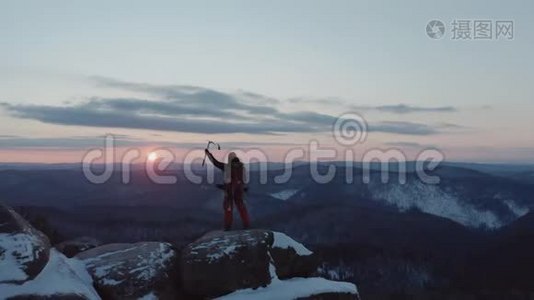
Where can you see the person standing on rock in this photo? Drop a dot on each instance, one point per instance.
(234, 188)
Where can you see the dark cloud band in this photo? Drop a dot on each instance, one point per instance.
(198, 110)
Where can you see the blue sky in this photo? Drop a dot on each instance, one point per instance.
(64, 63)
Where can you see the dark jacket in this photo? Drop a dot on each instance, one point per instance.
(234, 171)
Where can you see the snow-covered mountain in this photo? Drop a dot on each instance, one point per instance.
(387, 237)
(468, 197)
(435, 200)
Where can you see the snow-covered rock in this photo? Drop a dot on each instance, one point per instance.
(249, 264)
(72, 247)
(61, 278)
(221, 262)
(24, 250)
(291, 258)
(131, 271)
(297, 288)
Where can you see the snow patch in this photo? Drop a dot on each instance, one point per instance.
(285, 194)
(283, 241)
(229, 250)
(16, 250)
(109, 281)
(519, 211)
(143, 267)
(432, 200)
(225, 246)
(147, 268)
(149, 296)
(339, 272)
(60, 276)
(292, 289)
(99, 257)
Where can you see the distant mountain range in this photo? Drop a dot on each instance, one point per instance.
(389, 237)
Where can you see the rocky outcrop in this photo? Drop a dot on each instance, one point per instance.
(251, 263)
(30, 269)
(61, 278)
(131, 271)
(248, 264)
(72, 247)
(221, 262)
(24, 250)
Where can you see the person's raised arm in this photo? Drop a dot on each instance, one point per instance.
(219, 165)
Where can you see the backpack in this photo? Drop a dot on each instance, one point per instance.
(237, 169)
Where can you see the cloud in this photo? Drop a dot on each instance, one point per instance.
(199, 97)
(192, 109)
(73, 142)
(452, 126)
(394, 109)
(86, 142)
(406, 109)
(318, 101)
(408, 128)
(97, 116)
(409, 145)
(188, 92)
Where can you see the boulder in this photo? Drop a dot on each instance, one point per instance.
(72, 247)
(131, 271)
(61, 278)
(24, 250)
(291, 258)
(222, 262)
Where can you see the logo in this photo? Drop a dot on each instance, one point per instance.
(435, 29)
(350, 129)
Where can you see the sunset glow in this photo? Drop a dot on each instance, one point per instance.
(152, 156)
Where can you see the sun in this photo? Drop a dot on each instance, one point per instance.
(152, 156)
